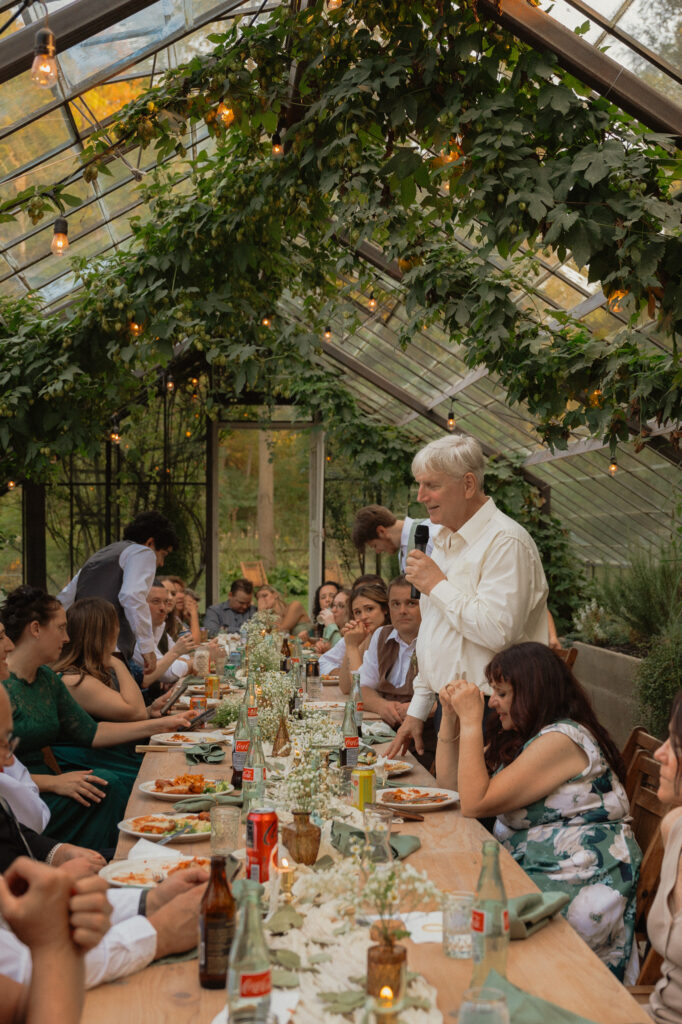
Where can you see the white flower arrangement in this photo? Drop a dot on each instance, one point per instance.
(304, 788)
(315, 729)
(262, 644)
(275, 693)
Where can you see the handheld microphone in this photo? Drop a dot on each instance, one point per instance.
(421, 539)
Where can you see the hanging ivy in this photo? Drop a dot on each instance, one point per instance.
(410, 125)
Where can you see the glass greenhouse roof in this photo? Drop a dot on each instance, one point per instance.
(42, 133)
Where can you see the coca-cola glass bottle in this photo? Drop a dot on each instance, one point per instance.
(489, 918)
(240, 749)
(248, 976)
(254, 774)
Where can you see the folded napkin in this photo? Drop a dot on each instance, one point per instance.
(527, 1009)
(377, 732)
(207, 801)
(342, 836)
(204, 753)
(529, 913)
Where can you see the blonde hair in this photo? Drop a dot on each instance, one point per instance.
(280, 606)
(454, 456)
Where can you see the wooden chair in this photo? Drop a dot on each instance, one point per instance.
(639, 739)
(568, 655)
(649, 877)
(255, 573)
(645, 807)
(332, 571)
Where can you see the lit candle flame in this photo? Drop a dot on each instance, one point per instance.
(285, 862)
(386, 992)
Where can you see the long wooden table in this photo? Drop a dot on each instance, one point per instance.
(555, 963)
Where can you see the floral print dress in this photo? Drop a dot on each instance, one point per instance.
(578, 840)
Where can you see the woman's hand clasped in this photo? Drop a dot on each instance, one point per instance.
(354, 633)
(463, 699)
(80, 786)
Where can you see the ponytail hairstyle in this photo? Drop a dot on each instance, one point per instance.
(544, 691)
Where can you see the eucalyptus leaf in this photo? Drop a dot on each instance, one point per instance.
(283, 920)
(283, 979)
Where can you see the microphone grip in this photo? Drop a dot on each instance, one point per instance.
(421, 541)
(414, 593)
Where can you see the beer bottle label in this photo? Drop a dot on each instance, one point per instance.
(215, 942)
(254, 985)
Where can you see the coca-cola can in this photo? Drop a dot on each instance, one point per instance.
(261, 841)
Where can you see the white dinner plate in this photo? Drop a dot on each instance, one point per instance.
(145, 869)
(420, 801)
(399, 767)
(326, 705)
(188, 739)
(132, 827)
(148, 788)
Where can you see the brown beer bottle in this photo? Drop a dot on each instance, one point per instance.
(285, 654)
(216, 927)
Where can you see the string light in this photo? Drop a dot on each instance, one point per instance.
(613, 466)
(277, 147)
(44, 67)
(266, 321)
(135, 329)
(372, 302)
(225, 113)
(170, 384)
(333, 5)
(188, 433)
(451, 418)
(60, 237)
(327, 334)
(194, 381)
(11, 484)
(114, 436)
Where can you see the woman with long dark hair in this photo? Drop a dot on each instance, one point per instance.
(369, 611)
(552, 776)
(665, 919)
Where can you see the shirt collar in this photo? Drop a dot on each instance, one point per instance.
(393, 635)
(469, 531)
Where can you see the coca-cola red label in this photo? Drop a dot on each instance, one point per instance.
(252, 712)
(248, 775)
(254, 985)
(351, 741)
(480, 922)
(359, 706)
(241, 746)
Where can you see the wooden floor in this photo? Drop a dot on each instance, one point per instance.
(554, 964)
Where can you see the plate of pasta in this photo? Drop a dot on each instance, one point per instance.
(418, 798)
(184, 785)
(164, 826)
(146, 872)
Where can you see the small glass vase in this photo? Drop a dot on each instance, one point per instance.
(302, 838)
(386, 965)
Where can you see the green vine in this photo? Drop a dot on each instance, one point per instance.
(393, 104)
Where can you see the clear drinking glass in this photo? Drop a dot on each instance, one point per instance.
(377, 822)
(225, 824)
(457, 924)
(202, 660)
(483, 1006)
(314, 688)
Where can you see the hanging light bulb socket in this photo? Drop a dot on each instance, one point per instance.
(451, 418)
(372, 302)
(266, 321)
(225, 114)
(613, 466)
(44, 67)
(277, 147)
(60, 237)
(327, 335)
(170, 384)
(11, 484)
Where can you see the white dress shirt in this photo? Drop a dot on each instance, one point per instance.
(138, 563)
(177, 669)
(23, 796)
(333, 658)
(369, 671)
(128, 946)
(405, 538)
(495, 595)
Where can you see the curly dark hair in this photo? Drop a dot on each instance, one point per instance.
(155, 525)
(544, 691)
(24, 605)
(316, 600)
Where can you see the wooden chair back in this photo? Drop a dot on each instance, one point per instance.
(254, 572)
(639, 739)
(645, 807)
(332, 571)
(568, 655)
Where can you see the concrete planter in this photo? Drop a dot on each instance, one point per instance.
(609, 679)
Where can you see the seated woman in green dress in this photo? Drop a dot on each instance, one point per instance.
(89, 795)
(553, 777)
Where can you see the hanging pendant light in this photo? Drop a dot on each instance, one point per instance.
(60, 238)
(44, 67)
(451, 418)
(613, 466)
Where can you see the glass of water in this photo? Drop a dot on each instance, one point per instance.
(457, 924)
(483, 1006)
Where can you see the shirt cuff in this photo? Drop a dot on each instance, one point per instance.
(126, 948)
(124, 903)
(420, 705)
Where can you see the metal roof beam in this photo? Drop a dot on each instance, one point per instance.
(580, 58)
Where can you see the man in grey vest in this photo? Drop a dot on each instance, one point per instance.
(377, 528)
(123, 573)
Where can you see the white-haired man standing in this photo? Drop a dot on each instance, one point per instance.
(483, 589)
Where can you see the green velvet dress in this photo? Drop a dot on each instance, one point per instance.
(45, 714)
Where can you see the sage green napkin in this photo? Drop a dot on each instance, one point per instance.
(207, 801)
(342, 836)
(177, 958)
(529, 913)
(527, 1009)
(204, 753)
(377, 732)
